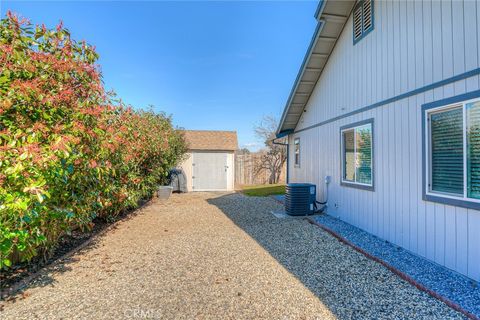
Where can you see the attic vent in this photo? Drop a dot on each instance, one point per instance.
(362, 19)
(357, 23)
(367, 15)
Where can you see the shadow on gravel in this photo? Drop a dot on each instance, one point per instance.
(351, 286)
(43, 277)
(15, 285)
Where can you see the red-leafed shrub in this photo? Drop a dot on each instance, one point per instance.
(68, 152)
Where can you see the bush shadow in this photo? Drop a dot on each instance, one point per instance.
(43, 273)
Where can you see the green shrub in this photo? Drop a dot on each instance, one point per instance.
(68, 152)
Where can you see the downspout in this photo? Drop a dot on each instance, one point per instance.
(288, 165)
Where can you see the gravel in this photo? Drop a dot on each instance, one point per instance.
(457, 288)
(210, 255)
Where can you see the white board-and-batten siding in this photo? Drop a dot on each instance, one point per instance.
(413, 44)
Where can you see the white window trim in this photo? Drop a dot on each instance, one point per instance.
(428, 158)
(354, 127)
(296, 142)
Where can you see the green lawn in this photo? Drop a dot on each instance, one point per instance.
(263, 190)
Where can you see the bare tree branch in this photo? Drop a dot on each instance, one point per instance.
(275, 155)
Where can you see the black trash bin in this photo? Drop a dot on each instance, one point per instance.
(178, 180)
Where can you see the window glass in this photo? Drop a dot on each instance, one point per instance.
(363, 136)
(357, 154)
(297, 151)
(349, 155)
(447, 151)
(473, 150)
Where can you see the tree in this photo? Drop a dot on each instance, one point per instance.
(274, 155)
(243, 151)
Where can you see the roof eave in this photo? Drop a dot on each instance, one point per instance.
(320, 7)
(335, 16)
(283, 133)
(300, 74)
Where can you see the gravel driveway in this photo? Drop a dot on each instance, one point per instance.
(210, 255)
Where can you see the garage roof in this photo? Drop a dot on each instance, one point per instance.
(211, 140)
(332, 16)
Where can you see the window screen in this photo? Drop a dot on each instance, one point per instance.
(357, 155)
(473, 150)
(349, 155)
(447, 151)
(297, 151)
(453, 148)
(364, 154)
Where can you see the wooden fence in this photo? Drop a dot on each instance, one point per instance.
(245, 170)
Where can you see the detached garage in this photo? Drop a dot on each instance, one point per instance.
(210, 162)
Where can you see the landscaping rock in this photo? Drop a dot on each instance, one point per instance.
(224, 256)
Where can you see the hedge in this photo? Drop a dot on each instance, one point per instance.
(69, 152)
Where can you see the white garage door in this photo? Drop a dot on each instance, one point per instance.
(209, 171)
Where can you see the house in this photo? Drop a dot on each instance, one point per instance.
(387, 104)
(210, 161)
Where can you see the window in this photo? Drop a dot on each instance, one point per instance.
(453, 153)
(297, 151)
(362, 19)
(357, 154)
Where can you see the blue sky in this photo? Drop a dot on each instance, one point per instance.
(212, 65)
